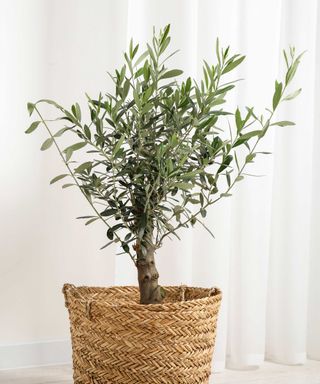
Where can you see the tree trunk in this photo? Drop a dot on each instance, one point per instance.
(150, 291)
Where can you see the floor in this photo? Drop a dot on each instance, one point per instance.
(268, 374)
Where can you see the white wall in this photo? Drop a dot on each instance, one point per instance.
(47, 53)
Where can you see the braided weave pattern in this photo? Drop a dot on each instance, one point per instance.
(116, 340)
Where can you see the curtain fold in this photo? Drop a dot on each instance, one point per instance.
(265, 255)
(313, 314)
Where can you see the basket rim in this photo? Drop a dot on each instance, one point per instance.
(70, 290)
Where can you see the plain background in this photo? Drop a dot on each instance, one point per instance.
(266, 253)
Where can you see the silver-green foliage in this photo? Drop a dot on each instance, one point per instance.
(158, 155)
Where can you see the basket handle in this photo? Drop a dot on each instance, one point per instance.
(65, 290)
(212, 291)
(183, 292)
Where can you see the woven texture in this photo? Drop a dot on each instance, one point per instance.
(116, 340)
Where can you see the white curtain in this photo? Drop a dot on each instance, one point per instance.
(265, 256)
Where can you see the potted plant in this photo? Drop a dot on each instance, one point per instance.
(157, 156)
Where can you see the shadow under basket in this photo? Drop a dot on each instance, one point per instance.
(116, 340)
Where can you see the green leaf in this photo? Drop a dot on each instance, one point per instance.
(131, 49)
(239, 178)
(151, 53)
(47, 144)
(30, 107)
(285, 58)
(228, 179)
(292, 71)
(183, 186)
(171, 73)
(293, 94)
(67, 185)
(208, 72)
(236, 160)
(191, 175)
(203, 212)
(226, 161)
(141, 58)
(61, 131)
(225, 194)
(239, 122)
(146, 71)
(284, 123)
(250, 157)
(108, 212)
(164, 46)
(218, 51)
(129, 62)
(178, 209)
(232, 65)
(128, 236)
(135, 50)
(125, 247)
(193, 201)
(208, 122)
(245, 137)
(51, 102)
(188, 84)
(112, 230)
(118, 145)
(75, 147)
(165, 34)
(147, 94)
(126, 88)
(277, 95)
(33, 126)
(224, 89)
(59, 177)
(87, 132)
(84, 167)
(69, 153)
(76, 111)
(91, 220)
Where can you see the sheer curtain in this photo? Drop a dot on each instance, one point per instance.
(265, 255)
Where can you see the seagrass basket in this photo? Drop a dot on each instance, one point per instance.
(116, 340)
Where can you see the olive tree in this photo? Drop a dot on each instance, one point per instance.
(160, 151)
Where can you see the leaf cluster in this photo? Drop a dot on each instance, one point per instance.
(158, 153)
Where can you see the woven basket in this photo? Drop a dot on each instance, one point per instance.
(116, 340)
